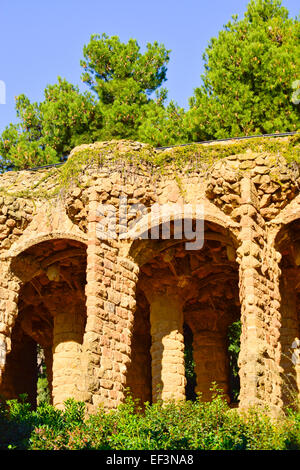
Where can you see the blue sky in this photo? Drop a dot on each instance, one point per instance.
(43, 39)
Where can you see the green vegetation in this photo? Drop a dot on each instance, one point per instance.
(121, 80)
(151, 161)
(250, 86)
(47, 131)
(43, 392)
(186, 158)
(249, 73)
(186, 425)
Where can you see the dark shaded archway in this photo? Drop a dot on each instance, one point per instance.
(52, 314)
(288, 244)
(201, 286)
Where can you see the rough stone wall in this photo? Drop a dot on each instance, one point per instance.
(96, 340)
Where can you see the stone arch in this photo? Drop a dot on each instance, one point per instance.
(204, 210)
(287, 246)
(289, 214)
(175, 288)
(34, 239)
(50, 311)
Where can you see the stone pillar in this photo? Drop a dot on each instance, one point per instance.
(289, 339)
(9, 290)
(139, 379)
(68, 331)
(110, 292)
(260, 348)
(211, 362)
(20, 374)
(167, 349)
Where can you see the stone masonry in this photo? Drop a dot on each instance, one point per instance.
(108, 304)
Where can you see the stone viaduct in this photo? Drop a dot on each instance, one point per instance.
(109, 297)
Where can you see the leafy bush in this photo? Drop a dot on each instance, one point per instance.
(43, 393)
(186, 425)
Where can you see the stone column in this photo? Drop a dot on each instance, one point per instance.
(110, 292)
(289, 340)
(20, 374)
(9, 291)
(68, 333)
(167, 349)
(211, 362)
(260, 348)
(252, 314)
(139, 379)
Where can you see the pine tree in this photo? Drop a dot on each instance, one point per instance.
(249, 73)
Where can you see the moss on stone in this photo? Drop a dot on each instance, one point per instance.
(288, 147)
(187, 158)
(149, 161)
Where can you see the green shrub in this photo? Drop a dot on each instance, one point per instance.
(192, 425)
(43, 392)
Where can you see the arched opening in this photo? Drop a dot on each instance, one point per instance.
(51, 320)
(191, 298)
(288, 244)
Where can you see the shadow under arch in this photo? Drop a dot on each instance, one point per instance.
(51, 315)
(207, 282)
(287, 243)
